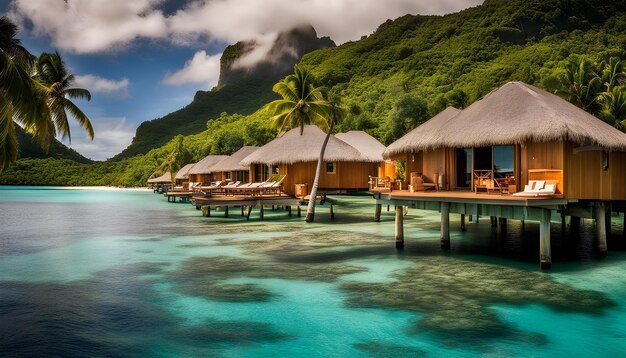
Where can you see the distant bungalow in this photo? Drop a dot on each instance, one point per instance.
(518, 140)
(230, 169)
(295, 156)
(162, 182)
(201, 171)
(182, 176)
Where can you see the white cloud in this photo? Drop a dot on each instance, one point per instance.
(99, 25)
(202, 68)
(112, 135)
(96, 84)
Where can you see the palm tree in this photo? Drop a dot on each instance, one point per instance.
(580, 84)
(614, 107)
(613, 73)
(17, 91)
(302, 103)
(336, 113)
(176, 159)
(50, 71)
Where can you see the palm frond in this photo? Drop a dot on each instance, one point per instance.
(80, 117)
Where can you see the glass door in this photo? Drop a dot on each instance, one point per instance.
(463, 167)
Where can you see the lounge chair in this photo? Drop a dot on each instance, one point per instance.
(418, 184)
(274, 186)
(208, 190)
(539, 188)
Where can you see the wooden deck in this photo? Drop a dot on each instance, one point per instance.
(182, 196)
(247, 202)
(470, 197)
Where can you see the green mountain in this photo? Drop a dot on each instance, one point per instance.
(30, 149)
(406, 71)
(241, 89)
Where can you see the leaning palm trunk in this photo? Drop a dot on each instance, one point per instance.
(310, 212)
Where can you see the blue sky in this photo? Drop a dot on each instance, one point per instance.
(143, 59)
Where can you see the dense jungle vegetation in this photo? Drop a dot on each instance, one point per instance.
(396, 78)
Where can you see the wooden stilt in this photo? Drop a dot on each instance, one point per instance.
(545, 256)
(272, 207)
(377, 212)
(208, 211)
(463, 222)
(470, 218)
(494, 221)
(289, 209)
(477, 219)
(387, 207)
(261, 211)
(399, 228)
(445, 226)
(249, 211)
(332, 212)
(242, 208)
(226, 211)
(600, 212)
(299, 211)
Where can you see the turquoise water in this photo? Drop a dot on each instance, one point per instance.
(124, 273)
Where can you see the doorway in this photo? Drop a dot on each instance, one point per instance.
(463, 157)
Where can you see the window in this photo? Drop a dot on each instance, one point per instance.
(503, 158)
(275, 169)
(331, 168)
(242, 176)
(229, 176)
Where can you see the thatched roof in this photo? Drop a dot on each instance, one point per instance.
(369, 146)
(292, 148)
(425, 135)
(165, 178)
(204, 166)
(231, 163)
(183, 173)
(517, 113)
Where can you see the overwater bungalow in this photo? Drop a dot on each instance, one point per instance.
(372, 149)
(182, 176)
(201, 172)
(230, 169)
(539, 154)
(295, 157)
(161, 183)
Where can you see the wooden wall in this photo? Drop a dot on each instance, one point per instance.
(387, 169)
(348, 175)
(547, 155)
(588, 180)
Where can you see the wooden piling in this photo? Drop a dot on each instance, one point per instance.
(332, 212)
(242, 209)
(208, 211)
(261, 211)
(299, 211)
(470, 218)
(445, 226)
(289, 209)
(399, 228)
(600, 216)
(226, 211)
(379, 208)
(545, 256)
(249, 211)
(463, 222)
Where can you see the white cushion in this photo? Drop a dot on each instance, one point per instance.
(539, 184)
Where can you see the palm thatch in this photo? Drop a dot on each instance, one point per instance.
(232, 163)
(183, 173)
(424, 136)
(369, 146)
(165, 178)
(517, 113)
(291, 148)
(204, 166)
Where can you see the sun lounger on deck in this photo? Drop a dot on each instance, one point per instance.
(539, 188)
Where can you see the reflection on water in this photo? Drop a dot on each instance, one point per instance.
(124, 273)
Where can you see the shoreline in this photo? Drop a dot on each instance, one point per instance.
(98, 188)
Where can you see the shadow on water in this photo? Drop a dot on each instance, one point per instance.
(116, 313)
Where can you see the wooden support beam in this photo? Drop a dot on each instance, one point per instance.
(272, 207)
(463, 222)
(399, 228)
(261, 211)
(387, 207)
(494, 221)
(545, 255)
(249, 211)
(242, 208)
(445, 226)
(289, 209)
(299, 211)
(600, 213)
(470, 219)
(332, 212)
(379, 207)
(226, 211)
